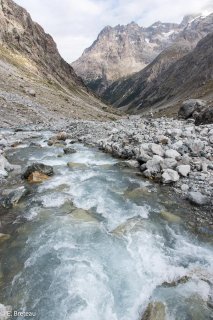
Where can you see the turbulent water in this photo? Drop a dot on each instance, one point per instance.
(108, 260)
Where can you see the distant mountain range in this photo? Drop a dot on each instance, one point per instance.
(137, 68)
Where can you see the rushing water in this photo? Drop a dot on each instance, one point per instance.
(107, 261)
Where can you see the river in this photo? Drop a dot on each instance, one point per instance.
(96, 242)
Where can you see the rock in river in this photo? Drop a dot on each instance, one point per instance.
(38, 167)
(13, 196)
(37, 177)
(155, 311)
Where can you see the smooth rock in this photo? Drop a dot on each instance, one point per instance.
(75, 165)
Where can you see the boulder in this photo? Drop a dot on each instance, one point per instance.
(153, 166)
(196, 147)
(13, 196)
(170, 176)
(62, 136)
(143, 157)
(184, 170)
(37, 177)
(155, 311)
(205, 117)
(196, 197)
(189, 107)
(171, 153)
(38, 167)
(157, 149)
(69, 150)
(168, 163)
(131, 163)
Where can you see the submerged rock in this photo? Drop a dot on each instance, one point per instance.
(69, 150)
(155, 311)
(176, 282)
(38, 167)
(13, 196)
(4, 237)
(170, 217)
(82, 215)
(76, 165)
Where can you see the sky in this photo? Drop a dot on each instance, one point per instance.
(75, 24)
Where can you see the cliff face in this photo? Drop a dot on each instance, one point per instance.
(19, 32)
(36, 84)
(124, 50)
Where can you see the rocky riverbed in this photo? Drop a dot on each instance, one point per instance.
(175, 154)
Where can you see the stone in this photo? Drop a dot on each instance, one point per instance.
(75, 165)
(189, 107)
(171, 153)
(168, 163)
(69, 150)
(62, 136)
(153, 166)
(163, 140)
(184, 170)
(38, 167)
(204, 117)
(170, 176)
(37, 177)
(13, 196)
(184, 187)
(131, 163)
(157, 149)
(196, 146)
(143, 157)
(196, 197)
(155, 311)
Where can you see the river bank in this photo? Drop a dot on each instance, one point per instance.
(175, 154)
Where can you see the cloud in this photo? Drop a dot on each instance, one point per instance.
(75, 24)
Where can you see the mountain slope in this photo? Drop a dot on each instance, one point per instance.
(30, 61)
(168, 80)
(124, 50)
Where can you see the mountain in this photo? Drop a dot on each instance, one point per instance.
(124, 50)
(35, 76)
(176, 74)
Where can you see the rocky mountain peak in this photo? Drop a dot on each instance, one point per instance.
(123, 50)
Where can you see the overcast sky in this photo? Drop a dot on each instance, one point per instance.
(75, 24)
